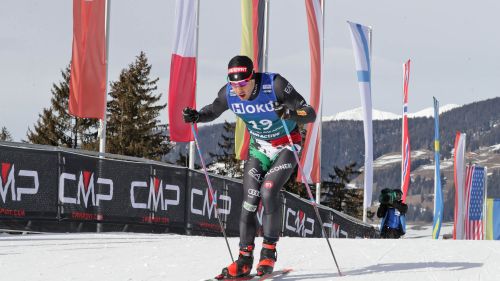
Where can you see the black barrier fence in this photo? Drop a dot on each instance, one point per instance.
(59, 185)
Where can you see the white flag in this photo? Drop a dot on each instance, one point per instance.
(459, 157)
(361, 41)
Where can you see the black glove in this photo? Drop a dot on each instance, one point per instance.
(282, 110)
(190, 115)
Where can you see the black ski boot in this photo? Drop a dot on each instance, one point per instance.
(268, 257)
(241, 267)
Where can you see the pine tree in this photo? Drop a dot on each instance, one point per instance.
(341, 198)
(55, 126)
(226, 163)
(5, 134)
(46, 131)
(132, 127)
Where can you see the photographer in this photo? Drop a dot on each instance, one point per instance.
(392, 211)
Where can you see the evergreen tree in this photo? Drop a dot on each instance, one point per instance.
(226, 163)
(55, 126)
(133, 128)
(341, 198)
(5, 134)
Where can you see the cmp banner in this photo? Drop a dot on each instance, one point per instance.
(38, 182)
(202, 215)
(169, 204)
(28, 183)
(118, 191)
(94, 189)
(300, 221)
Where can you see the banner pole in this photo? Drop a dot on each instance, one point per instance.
(191, 143)
(485, 199)
(320, 129)
(102, 122)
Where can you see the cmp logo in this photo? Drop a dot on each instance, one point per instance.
(85, 188)
(333, 230)
(302, 225)
(8, 182)
(156, 198)
(199, 196)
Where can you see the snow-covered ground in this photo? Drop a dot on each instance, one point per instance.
(131, 256)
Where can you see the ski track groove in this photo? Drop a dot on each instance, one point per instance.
(385, 253)
(431, 272)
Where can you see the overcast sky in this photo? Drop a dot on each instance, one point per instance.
(453, 46)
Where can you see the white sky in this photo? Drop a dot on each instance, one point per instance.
(453, 46)
(161, 257)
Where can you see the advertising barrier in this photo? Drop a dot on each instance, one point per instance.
(64, 185)
(28, 183)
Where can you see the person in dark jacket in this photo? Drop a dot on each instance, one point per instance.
(266, 102)
(392, 210)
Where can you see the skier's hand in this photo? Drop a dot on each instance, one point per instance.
(282, 110)
(190, 115)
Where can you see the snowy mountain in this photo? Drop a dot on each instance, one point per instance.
(357, 114)
(429, 112)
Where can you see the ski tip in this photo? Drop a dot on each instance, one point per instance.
(284, 270)
(274, 274)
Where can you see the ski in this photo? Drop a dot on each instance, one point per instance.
(274, 274)
(254, 277)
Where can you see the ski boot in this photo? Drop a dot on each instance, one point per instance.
(268, 257)
(241, 267)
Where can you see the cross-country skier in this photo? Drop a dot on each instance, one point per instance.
(261, 100)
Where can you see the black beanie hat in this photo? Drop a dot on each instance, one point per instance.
(239, 68)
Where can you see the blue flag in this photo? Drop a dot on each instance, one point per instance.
(438, 193)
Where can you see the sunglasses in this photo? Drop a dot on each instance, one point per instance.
(241, 83)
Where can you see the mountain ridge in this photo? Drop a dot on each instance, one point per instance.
(356, 114)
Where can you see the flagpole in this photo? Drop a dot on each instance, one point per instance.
(437, 166)
(485, 218)
(191, 143)
(266, 37)
(320, 129)
(102, 122)
(365, 199)
(402, 130)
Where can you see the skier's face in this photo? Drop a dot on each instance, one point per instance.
(244, 92)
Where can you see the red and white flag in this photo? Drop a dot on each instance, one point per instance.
(182, 87)
(87, 86)
(311, 155)
(405, 143)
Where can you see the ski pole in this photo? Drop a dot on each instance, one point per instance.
(210, 189)
(304, 181)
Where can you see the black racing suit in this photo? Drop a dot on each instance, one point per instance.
(270, 163)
